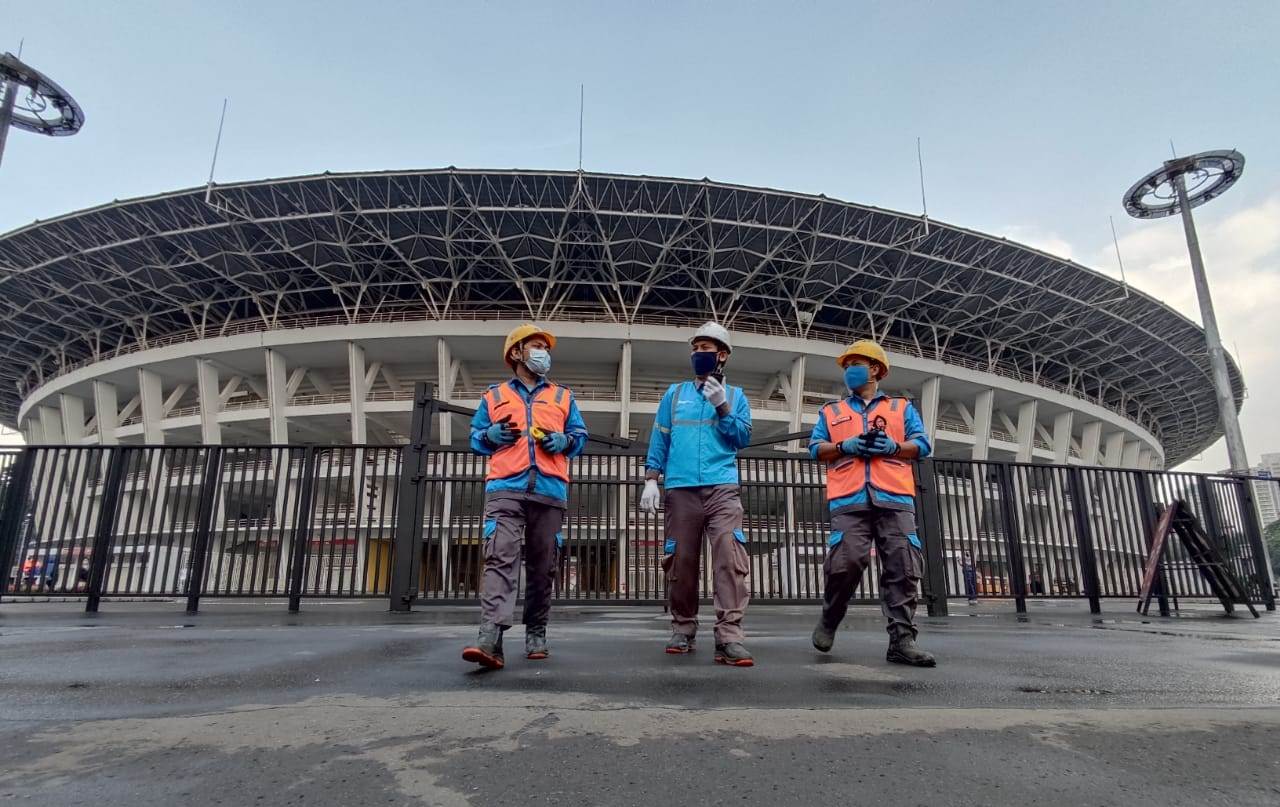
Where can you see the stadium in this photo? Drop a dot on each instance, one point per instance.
(269, 316)
(302, 310)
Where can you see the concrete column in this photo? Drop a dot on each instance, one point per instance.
(1146, 459)
(32, 432)
(1114, 453)
(51, 425)
(798, 367)
(1026, 431)
(1129, 457)
(444, 388)
(982, 409)
(1090, 440)
(930, 398)
(277, 396)
(210, 397)
(359, 389)
(1062, 437)
(72, 410)
(152, 406)
(106, 408)
(624, 392)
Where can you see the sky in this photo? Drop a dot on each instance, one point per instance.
(1034, 117)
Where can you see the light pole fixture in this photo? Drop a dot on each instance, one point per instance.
(1176, 187)
(47, 109)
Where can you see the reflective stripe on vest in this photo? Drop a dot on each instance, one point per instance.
(548, 409)
(848, 475)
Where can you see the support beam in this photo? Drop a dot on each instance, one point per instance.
(1062, 425)
(930, 398)
(796, 399)
(1026, 432)
(173, 399)
(1091, 443)
(444, 388)
(210, 401)
(318, 380)
(106, 410)
(229, 389)
(51, 424)
(393, 380)
(359, 383)
(1132, 450)
(1114, 453)
(72, 411)
(624, 391)
(982, 408)
(32, 431)
(1147, 459)
(277, 396)
(152, 406)
(295, 381)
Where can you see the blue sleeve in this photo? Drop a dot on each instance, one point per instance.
(821, 434)
(480, 422)
(575, 429)
(736, 426)
(916, 431)
(660, 437)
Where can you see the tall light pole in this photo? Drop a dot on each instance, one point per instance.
(47, 109)
(1176, 187)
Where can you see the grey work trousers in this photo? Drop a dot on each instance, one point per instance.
(510, 525)
(900, 566)
(713, 511)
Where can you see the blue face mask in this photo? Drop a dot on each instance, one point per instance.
(856, 376)
(538, 361)
(704, 362)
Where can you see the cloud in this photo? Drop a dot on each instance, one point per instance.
(1038, 238)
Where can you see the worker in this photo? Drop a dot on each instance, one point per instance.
(869, 441)
(529, 428)
(699, 427)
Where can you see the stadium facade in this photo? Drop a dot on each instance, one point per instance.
(302, 310)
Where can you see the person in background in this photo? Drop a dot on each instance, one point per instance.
(970, 573)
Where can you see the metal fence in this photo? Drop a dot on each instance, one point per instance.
(405, 523)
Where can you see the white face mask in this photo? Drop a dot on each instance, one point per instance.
(538, 360)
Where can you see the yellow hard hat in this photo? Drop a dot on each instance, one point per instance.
(867, 349)
(523, 332)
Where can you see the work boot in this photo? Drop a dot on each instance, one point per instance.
(904, 651)
(487, 651)
(535, 642)
(733, 654)
(823, 637)
(681, 644)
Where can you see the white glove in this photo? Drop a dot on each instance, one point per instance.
(649, 499)
(713, 391)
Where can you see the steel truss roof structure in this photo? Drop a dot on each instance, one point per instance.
(544, 244)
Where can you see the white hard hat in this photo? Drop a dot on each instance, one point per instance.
(714, 332)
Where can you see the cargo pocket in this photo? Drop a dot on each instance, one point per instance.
(668, 555)
(741, 560)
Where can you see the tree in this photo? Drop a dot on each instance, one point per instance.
(1272, 536)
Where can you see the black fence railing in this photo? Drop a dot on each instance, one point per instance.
(405, 523)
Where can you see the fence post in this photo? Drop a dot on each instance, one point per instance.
(406, 552)
(935, 581)
(1084, 540)
(302, 528)
(1012, 538)
(14, 514)
(1149, 512)
(209, 482)
(1212, 518)
(108, 507)
(1257, 545)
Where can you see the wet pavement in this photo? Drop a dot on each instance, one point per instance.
(345, 703)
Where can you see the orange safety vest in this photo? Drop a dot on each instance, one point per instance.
(548, 409)
(848, 475)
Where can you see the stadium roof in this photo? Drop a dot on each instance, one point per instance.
(544, 244)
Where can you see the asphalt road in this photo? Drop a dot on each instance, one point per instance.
(347, 704)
